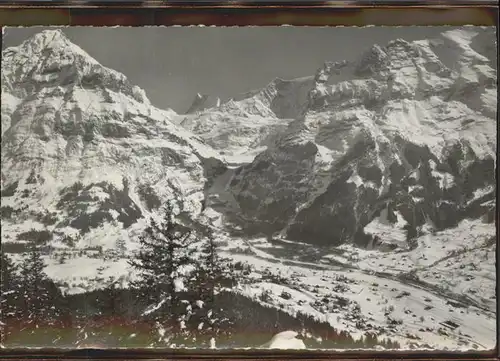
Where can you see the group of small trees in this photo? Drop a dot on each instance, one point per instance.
(29, 299)
(10, 286)
(179, 274)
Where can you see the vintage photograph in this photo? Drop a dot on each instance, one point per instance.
(311, 188)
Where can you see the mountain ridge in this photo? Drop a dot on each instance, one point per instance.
(369, 181)
(356, 121)
(322, 120)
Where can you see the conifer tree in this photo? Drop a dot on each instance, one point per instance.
(9, 295)
(212, 275)
(111, 303)
(164, 252)
(40, 297)
(121, 247)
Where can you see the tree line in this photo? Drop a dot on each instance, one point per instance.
(181, 296)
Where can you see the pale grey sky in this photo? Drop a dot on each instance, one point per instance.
(172, 64)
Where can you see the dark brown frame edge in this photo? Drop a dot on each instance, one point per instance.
(243, 15)
(316, 13)
(120, 3)
(236, 354)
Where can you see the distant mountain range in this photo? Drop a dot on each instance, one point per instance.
(381, 153)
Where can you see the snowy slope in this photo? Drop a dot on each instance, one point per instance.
(286, 340)
(358, 298)
(459, 260)
(354, 290)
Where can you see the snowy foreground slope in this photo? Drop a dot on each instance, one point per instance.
(363, 195)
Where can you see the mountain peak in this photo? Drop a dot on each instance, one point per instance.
(46, 43)
(45, 59)
(49, 38)
(202, 102)
(50, 60)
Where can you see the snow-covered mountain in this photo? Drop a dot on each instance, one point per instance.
(247, 124)
(409, 130)
(84, 153)
(389, 169)
(363, 195)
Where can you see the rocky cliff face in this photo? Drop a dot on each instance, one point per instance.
(202, 102)
(405, 136)
(247, 124)
(84, 154)
(408, 130)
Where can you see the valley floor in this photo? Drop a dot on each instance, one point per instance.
(438, 299)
